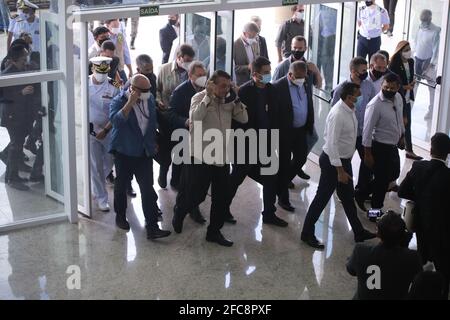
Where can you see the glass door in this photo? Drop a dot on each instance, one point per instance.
(199, 34)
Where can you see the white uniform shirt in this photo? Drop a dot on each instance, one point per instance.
(341, 130)
(372, 20)
(100, 97)
(17, 26)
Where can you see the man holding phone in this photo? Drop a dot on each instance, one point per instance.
(133, 116)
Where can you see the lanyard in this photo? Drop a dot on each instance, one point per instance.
(141, 110)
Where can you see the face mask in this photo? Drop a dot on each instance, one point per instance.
(299, 15)
(145, 95)
(251, 41)
(363, 76)
(369, 3)
(266, 78)
(173, 22)
(100, 42)
(148, 75)
(297, 54)
(201, 81)
(299, 82)
(101, 77)
(389, 94)
(377, 74)
(185, 65)
(425, 24)
(115, 30)
(406, 54)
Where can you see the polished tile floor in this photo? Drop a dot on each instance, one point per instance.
(265, 262)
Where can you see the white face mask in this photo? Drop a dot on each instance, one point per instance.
(145, 95)
(299, 82)
(201, 82)
(299, 15)
(100, 77)
(186, 65)
(115, 30)
(407, 54)
(251, 41)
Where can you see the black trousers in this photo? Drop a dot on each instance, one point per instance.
(293, 156)
(408, 137)
(194, 185)
(390, 6)
(367, 47)
(163, 157)
(327, 184)
(365, 174)
(326, 58)
(142, 169)
(269, 182)
(17, 134)
(385, 170)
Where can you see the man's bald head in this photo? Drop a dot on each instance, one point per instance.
(140, 82)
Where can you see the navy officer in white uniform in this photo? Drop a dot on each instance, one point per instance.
(26, 21)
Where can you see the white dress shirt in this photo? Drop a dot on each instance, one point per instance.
(142, 114)
(341, 130)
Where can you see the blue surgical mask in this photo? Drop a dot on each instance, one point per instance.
(266, 78)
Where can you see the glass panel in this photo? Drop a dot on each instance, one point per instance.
(28, 33)
(31, 154)
(323, 44)
(321, 109)
(425, 42)
(89, 4)
(224, 40)
(347, 44)
(198, 35)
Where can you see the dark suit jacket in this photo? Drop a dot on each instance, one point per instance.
(263, 47)
(427, 184)
(180, 104)
(397, 268)
(285, 109)
(166, 37)
(397, 67)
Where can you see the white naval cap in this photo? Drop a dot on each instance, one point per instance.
(22, 4)
(101, 64)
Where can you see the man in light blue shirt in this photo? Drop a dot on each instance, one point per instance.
(299, 104)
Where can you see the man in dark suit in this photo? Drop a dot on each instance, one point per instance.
(178, 117)
(258, 97)
(133, 116)
(385, 271)
(427, 184)
(296, 119)
(167, 35)
(263, 52)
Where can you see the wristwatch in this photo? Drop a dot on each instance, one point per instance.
(237, 100)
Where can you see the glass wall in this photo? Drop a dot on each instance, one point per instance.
(198, 35)
(224, 40)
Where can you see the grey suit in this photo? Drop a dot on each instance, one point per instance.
(241, 63)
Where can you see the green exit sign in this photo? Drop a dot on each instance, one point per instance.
(149, 11)
(290, 2)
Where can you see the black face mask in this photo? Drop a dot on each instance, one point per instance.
(389, 94)
(369, 3)
(377, 74)
(172, 22)
(363, 76)
(100, 42)
(297, 54)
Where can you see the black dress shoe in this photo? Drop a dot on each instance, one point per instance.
(162, 181)
(303, 175)
(313, 242)
(18, 185)
(156, 232)
(291, 185)
(122, 223)
(364, 235)
(286, 206)
(230, 219)
(273, 219)
(413, 156)
(197, 216)
(177, 222)
(219, 239)
(131, 193)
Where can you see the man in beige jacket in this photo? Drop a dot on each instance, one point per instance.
(212, 111)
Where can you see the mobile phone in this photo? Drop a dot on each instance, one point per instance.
(374, 213)
(91, 130)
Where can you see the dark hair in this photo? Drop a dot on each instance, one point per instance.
(392, 229)
(108, 45)
(440, 145)
(259, 62)
(348, 89)
(427, 285)
(356, 62)
(186, 50)
(219, 74)
(300, 38)
(16, 52)
(99, 30)
(384, 53)
(392, 77)
(20, 42)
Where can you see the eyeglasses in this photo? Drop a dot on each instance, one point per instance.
(142, 90)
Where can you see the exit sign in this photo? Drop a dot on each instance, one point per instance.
(149, 11)
(290, 2)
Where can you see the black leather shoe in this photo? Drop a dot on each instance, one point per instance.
(291, 185)
(197, 216)
(286, 206)
(303, 175)
(230, 219)
(131, 193)
(122, 223)
(18, 185)
(177, 222)
(273, 219)
(219, 239)
(313, 242)
(364, 235)
(156, 232)
(162, 181)
(360, 203)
